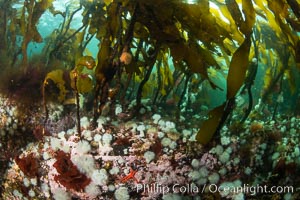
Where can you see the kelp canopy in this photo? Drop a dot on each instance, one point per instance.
(163, 50)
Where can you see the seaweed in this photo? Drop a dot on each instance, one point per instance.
(249, 81)
(28, 24)
(236, 75)
(77, 80)
(237, 69)
(161, 50)
(210, 126)
(29, 165)
(68, 174)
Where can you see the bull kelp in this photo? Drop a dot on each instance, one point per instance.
(149, 99)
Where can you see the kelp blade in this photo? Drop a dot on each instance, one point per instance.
(238, 68)
(210, 126)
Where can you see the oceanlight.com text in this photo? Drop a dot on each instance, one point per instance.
(252, 190)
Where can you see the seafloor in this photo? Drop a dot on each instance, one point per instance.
(152, 156)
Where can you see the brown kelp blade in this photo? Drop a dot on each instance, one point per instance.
(210, 126)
